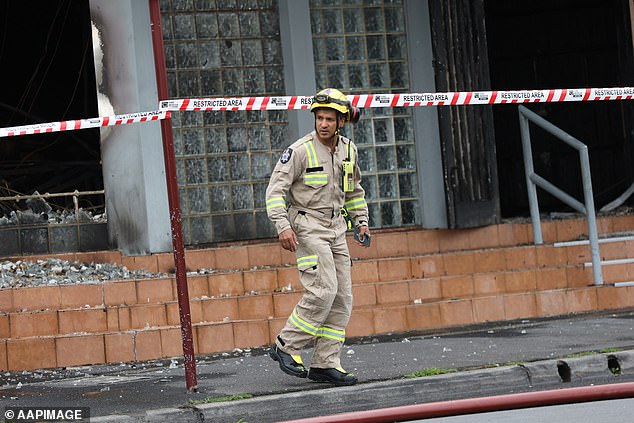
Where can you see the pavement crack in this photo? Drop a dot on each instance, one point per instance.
(528, 374)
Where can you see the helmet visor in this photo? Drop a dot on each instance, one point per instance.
(325, 99)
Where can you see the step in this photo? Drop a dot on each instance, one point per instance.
(456, 274)
(612, 262)
(604, 239)
(164, 310)
(388, 243)
(133, 345)
(411, 280)
(212, 338)
(272, 279)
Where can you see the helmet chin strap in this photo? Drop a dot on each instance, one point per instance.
(339, 126)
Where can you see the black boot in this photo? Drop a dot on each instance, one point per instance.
(288, 363)
(337, 377)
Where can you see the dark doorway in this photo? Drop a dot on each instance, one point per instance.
(544, 44)
(48, 74)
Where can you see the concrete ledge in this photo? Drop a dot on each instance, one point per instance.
(542, 372)
(271, 408)
(114, 419)
(580, 368)
(367, 396)
(542, 375)
(181, 415)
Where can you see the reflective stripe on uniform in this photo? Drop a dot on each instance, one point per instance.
(311, 153)
(324, 331)
(355, 203)
(316, 178)
(275, 202)
(305, 326)
(307, 261)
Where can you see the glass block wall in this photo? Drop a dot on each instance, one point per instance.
(220, 48)
(360, 46)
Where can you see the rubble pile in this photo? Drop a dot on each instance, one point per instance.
(39, 211)
(52, 271)
(29, 217)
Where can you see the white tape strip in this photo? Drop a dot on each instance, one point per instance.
(71, 125)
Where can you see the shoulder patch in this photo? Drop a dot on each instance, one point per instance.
(286, 155)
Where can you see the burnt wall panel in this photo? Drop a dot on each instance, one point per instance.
(467, 136)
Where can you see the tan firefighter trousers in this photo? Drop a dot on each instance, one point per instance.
(323, 261)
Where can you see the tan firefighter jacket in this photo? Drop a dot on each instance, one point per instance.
(309, 178)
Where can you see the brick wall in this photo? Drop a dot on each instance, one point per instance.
(408, 280)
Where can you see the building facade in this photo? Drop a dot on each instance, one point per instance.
(440, 167)
(268, 48)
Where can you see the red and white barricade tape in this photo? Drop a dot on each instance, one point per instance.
(71, 125)
(459, 98)
(405, 100)
(295, 102)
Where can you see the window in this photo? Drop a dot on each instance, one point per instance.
(360, 47)
(224, 48)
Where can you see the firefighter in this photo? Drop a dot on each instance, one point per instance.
(314, 179)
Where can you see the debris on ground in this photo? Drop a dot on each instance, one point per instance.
(30, 217)
(38, 211)
(53, 271)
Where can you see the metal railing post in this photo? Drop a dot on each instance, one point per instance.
(593, 235)
(533, 180)
(530, 185)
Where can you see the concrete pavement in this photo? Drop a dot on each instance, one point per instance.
(485, 360)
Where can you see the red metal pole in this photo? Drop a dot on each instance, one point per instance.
(174, 205)
(480, 405)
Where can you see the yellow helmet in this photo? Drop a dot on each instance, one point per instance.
(334, 99)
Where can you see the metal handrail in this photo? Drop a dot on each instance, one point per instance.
(533, 180)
